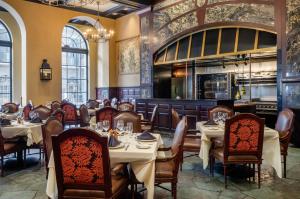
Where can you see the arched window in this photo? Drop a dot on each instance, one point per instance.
(5, 65)
(74, 66)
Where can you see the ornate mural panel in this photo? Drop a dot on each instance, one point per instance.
(219, 1)
(164, 16)
(165, 4)
(177, 26)
(293, 35)
(200, 3)
(254, 13)
(128, 56)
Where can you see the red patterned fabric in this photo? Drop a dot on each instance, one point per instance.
(81, 160)
(244, 135)
(70, 113)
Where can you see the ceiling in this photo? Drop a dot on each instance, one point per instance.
(108, 8)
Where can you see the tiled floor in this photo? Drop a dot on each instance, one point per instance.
(194, 183)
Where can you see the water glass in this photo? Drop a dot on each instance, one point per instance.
(99, 126)
(130, 128)
(120, 125)
(106, 125)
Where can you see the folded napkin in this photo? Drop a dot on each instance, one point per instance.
(113, 141)
(146, 136)
(4, 122)
(210, 123)
(36, 120)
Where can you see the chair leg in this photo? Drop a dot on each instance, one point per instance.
(225, 175)
(2, 166)
(258, 172)
(174, 190)
(253, 165)
(284, 166)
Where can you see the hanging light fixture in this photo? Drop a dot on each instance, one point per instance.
(98, 34)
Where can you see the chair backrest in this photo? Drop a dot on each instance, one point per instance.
(70, 112)
(244, 135)
(175, 118)
(59, 115)
(52, 127)
(106, 102)
(84, 114)
(2, 152)
(12, 107)
(128, 116)
(106, 113)
(26, 111)
(55, 105)
(92, 104)
(224, 110)
(43, 111)
(179, 135)
(125, 106)
(154, 113)
(82, 161)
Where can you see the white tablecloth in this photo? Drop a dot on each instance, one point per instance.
(33, 132)
(142, 162)
(11, 116)
(271, 146)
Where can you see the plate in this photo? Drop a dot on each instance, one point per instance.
(142, 146)
(118, 146)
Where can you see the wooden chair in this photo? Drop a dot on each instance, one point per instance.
(43, 112)
(55, 105)
(128, 116)
(125, 106)
(26, 111)
(59, 115)
(70, 114)
(284, 125)
(106, 113)
(92, 104)
(52, 127)
(106, 102)
(12, 107)
(166, 168)
(149, 124)
(89, 175)
(84, 116)
(243, 143)
(7, 148)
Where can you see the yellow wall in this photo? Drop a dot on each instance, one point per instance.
(12, 25)
(128, 27)
(44, 25)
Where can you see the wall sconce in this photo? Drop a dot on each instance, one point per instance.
(45, 71)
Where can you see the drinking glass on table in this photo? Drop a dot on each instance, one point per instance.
(106, 125)
(120, 125)
(215, 118)
(130, 128)
(99, 126)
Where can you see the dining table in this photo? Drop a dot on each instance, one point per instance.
(31, 131)
(141, 160)
(271, 154)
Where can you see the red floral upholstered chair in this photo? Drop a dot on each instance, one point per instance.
(243, 143)
(106, 113)
(82, 166)
(70, 114)
(26, 111)
(59, 115)
(285, 125)
(55, 105)
(12, 107)
(125, 106)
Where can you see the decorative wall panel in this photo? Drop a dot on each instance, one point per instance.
(164, 16)
(200, 3)
(219, 1)
(254, 13)
(164, 4)
(177, 26)
(128, 56)
(293, 35)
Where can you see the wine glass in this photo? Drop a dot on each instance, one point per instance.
(120, 125)
(215, 118)
(99, 126)
(106, 125)
(130, 128)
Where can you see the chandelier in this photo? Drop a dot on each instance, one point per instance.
(94, 33)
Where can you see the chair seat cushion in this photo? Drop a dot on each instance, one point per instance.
(190, 143)
(219, 154)
(164, 169)
(118, 184)
(11, 147)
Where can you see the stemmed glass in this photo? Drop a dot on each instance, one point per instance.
(120, 125)
(99, 126)
(215, 118)
(130, 128)
(106, 125)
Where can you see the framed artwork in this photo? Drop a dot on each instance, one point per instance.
(128, 56)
